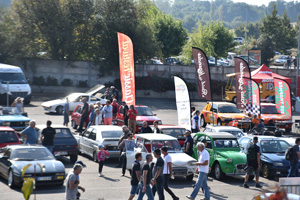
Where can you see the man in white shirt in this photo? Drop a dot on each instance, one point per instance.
(203, 168)
(167, 171)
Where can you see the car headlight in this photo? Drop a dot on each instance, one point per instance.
(139, 123)
(159, 122)
(6, 123)
(27, 123)
(278, 164)
(191, 162)
(60, 174)
(229, 160)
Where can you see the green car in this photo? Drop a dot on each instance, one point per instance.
(226, 157)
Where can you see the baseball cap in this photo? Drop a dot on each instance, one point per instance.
(101, 146)
(81, 163)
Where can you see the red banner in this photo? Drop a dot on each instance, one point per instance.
(126, 68)
(283, 97)
(203, 74)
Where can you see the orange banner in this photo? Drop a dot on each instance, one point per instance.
(126, 68)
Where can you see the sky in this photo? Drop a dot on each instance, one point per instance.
(257, 2)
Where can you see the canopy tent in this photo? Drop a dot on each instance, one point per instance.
(265, 75)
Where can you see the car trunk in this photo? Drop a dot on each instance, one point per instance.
(111, 144)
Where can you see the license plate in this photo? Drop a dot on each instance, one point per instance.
(278, 173)
(45, 178)
(60, 177)
(61, 153)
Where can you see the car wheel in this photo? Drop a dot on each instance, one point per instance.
(73, 158)
(189, 177)
(288, 130)
(219, 175)
(59, 110)
(10, 181)
(266, 172)
(74, 125)
(234, 100)
(95, 156)
(202, 121)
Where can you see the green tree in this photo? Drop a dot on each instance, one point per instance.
(253, 30)
(266, 45)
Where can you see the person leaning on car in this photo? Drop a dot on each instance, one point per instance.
(48, 135)
(294, 172)
(85, 113)
(30, 133)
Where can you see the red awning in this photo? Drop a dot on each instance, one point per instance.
(265, 75)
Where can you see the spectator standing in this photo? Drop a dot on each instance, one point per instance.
(146, 179)
(255, 121)
(196, 122)
(18, 103)
(124, 112)
(66, 112)
(72, 184)
(107, 111)
(158, 176)
(30, 133)
(135, 175)
(107, 94)
(203, 168)
(253, 163)
(101, 157)
(132, 113)
(145, 128)
(156, 129)
(188, 143)
(128, 145)
(85, 113)
(98, 117)
(92, 115)
(288, 61)
(124, 136)
(48, 135)
(294, 172)
(167, 171)
(115, 106)
(114, 92)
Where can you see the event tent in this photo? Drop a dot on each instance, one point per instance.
(263, 74)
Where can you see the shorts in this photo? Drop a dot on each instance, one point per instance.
(250, 170)
(66, 118)
(134, 189)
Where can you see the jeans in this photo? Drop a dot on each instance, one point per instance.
(148, 192)
(50, 148)
(201, 183)
(159, 187)
(294, 171)
(166, 185)
(101, 163)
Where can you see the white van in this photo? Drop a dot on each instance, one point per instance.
(12, 79)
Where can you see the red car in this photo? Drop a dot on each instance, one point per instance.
(174, 131)
(76, 115)
(8, 136)
(144, 114)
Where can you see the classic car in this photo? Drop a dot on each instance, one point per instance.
(144, 114)
(174, 131)
(281, 60)
(182, 164)
(108, 135)
(44, 167)
(76, 116)
(228, 129)
(272, 149)
(74, 100)
(226, 157)
(270, 112)
(8, 136)
(64, 143)
(221, 113)
(9, 116)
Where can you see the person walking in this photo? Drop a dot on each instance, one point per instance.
(145, 128)
(30, 133)
(125, 109)
(135, 175)
(158, 176)
(156, 129)
(107, 113)
(92, 115)
(84, 114)
(203, 168)
(196, 122)
(128, 145)
(115, 106)
(253, 163)
(188, 143)
(66, 112)
(72, 184)
(294, 172)
(167, 171)
(144, 186)
(132, 113)
(18, 103)
(101, 157)
(48, 135)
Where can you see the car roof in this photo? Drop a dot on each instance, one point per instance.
(262, 137)
(26, 146)
(152, 136)
(223, 135)
(268, 104)
(107, 128)
(52, 125)
(222, 103)
(223, 128)
(6, 128)
(169, 126)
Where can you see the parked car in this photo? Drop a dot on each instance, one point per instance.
(8, 136)
(144, 113)
(76, 116)
(239, 40)
(108, 135)
(182, 164)
(64, 143)
(272, 149)
(74, 100)
(16, 157)
(174, 131)
(9, 116)
(228, 129)
(281, 60)
(226, 157)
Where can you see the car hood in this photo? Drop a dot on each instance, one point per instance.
(14, 118)
(65, 141)
(50, 166)
(147, 118)
(53, 102)
(234, 155)
(180, 159)
(233, 115)
(275, 157)
(95, 89)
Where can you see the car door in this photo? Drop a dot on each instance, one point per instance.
(5, 163)
(75, 103)
(91, 143)
(130, 155)
(84, 140)
(213, 114)
(77, 115)
(244, 143)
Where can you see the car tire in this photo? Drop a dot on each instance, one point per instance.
(59, 110)
(74, 125)
(202, 122)
(10, 180)
(266, 172)
(95, 156)
(189, 177)
(288, 130)
(219, 175)
(73, 158)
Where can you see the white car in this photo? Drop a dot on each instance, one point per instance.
(281, 60)
(74, 100)
(182, 164)
(229, 129)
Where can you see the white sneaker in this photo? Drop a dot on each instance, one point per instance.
(101, 175)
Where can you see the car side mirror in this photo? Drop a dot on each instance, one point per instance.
(155, 114)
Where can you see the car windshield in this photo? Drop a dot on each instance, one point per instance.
(269, 110)
(172, 145)
(274, 146)
(282, 57)
(8, 137)
(226, 143)
(235, 133)
(13, 78)
(31, 154)
(72, 97)
(63, 133)
(175, 132)
(228, 109)
(144, 111)
(9, 111)
(111, 134)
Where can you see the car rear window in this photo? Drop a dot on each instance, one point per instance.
(63, 133)
(225, 143)
(111, 134)
(175, 132)
(8, 137)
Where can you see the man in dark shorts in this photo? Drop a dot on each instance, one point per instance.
(158, 176)
(48, 135)
(188, 143)
(294, 172)
(85, 113)
(135, 175)
(253, 163)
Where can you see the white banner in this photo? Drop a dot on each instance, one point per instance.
(182, 103)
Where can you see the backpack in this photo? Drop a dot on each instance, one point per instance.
(289, 153)
(251, 154)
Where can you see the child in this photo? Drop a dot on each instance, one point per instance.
(101, 157)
